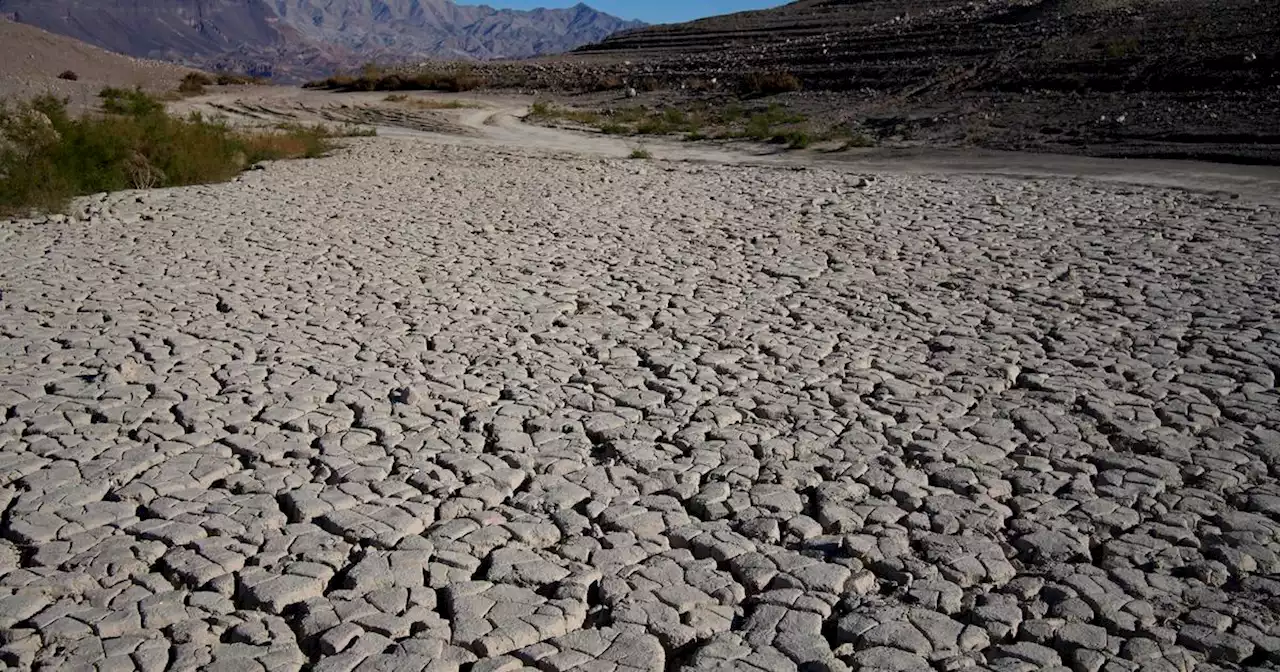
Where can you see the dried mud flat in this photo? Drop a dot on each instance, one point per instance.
(421, 406)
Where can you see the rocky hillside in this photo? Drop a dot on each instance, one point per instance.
(1005, 44)
(298, 38)
(1175, 76)
(31, 61)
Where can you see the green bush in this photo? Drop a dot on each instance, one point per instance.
(797, 139)
(373, 79)
(194, 82)
(231, 78)
(134, 103)
(48, 157)
(695, 122)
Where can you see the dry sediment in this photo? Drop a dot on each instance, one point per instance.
(429, 406)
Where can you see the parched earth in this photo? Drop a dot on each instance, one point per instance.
(425, 406)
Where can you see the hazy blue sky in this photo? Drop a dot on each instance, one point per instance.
(653, 11)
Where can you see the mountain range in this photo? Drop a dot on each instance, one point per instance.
(290, 39)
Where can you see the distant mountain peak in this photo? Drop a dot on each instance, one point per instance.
(302, 38)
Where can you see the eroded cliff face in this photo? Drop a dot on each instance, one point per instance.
(299, 37)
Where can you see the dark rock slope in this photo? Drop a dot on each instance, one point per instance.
(1166, 77)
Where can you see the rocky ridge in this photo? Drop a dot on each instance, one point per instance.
(283, 39)
(1171, 78)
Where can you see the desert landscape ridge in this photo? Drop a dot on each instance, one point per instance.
(435, 402)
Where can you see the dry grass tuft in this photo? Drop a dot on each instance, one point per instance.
(429, 104)
(770, 83)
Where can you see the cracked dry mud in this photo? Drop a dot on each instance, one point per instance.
(428, 407)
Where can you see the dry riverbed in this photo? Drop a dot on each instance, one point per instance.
(428, 405)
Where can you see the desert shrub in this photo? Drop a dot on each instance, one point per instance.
(428, 104)
(758, 128)
(796, 139)
(648, 84)
(289, 141)
(603, 83)
(131, 102)
(336, 82)
(464, 80)
(69, 75)
(764, 125)
(375, 80)
(770, 83)
(698, 84)
(640, 153)
(193, 83)
(545, 111)
(396, 98)
(48, 157)
(630, 115)
(859, 140)
(353, 132)
(655, 125)
(231, 78)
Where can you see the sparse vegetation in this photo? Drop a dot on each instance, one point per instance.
(770, 83)
(648, 84)
(859, 141)
(640, 153)
(429, 104)
(129, 102)
(797, 139)
(373, 78)
(772, 123)
(232, 79)
(69, 75)
(193, 83)
(603, 83)
(768, 123)
(48, 157)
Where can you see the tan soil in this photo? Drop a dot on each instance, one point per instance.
(31, 60)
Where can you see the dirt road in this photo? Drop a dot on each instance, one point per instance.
(496, 121)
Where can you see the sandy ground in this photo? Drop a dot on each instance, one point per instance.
(496, 122)
(31, 60)
(499, 399)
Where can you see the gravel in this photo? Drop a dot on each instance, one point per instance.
(435, 407)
